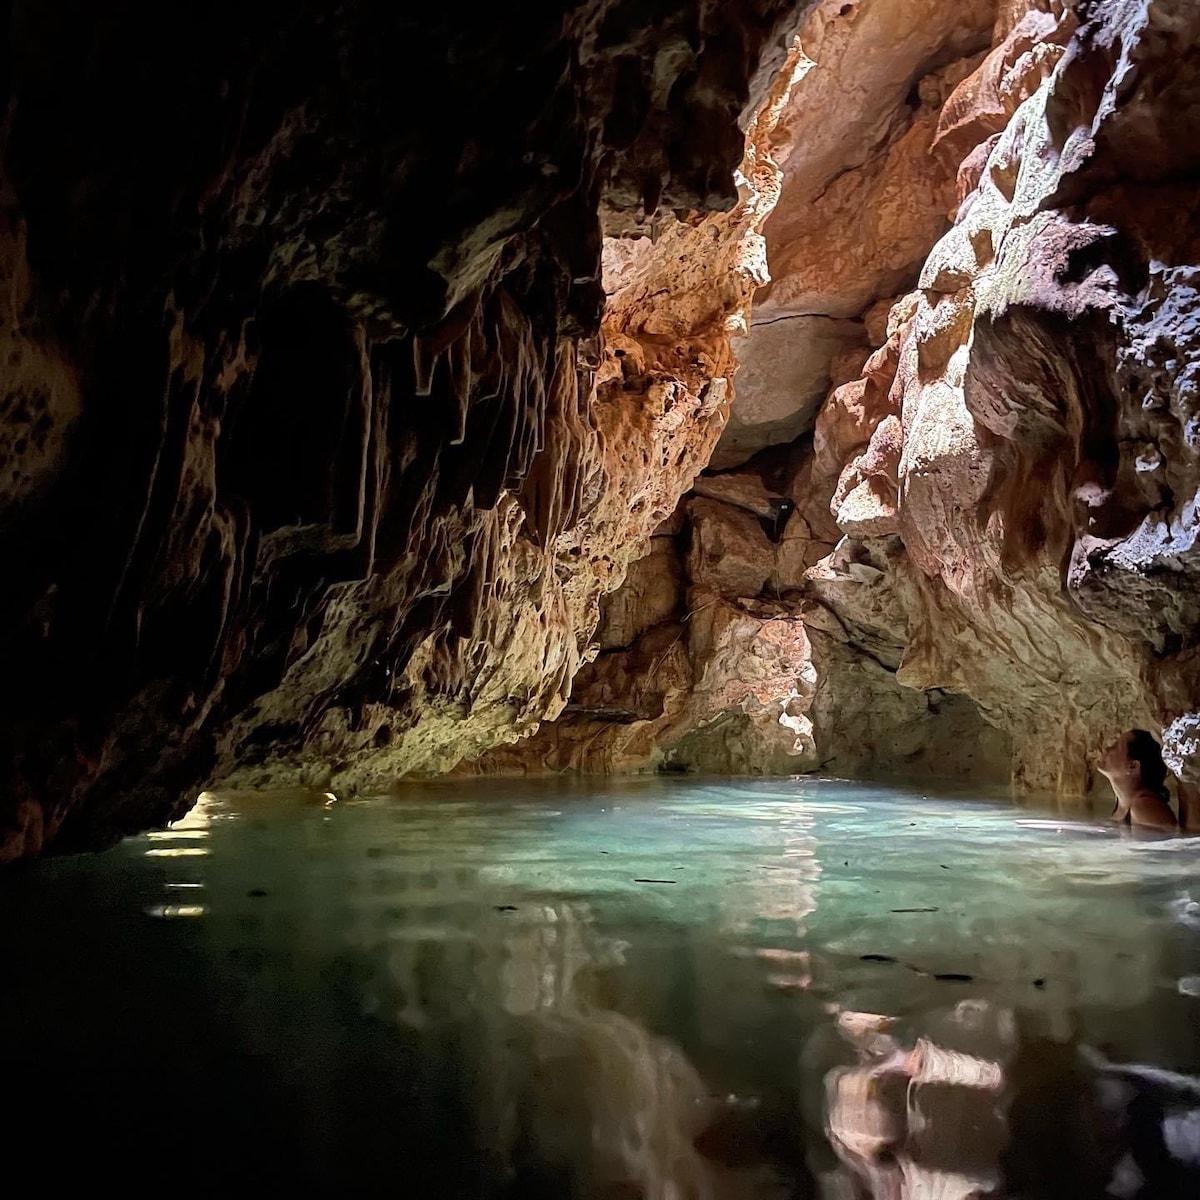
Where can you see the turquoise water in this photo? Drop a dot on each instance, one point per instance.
(659, 988)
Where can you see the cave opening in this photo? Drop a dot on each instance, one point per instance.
(615, 590)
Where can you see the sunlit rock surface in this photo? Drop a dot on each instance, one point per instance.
(1012, 478)
(1045, 490)
(784, 683)
(786, 365)
(1044, 483)
(302, 473)
(863, 198)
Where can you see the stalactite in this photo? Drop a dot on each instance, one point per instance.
(307, 341)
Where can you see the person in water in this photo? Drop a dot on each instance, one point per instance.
(1134, 766)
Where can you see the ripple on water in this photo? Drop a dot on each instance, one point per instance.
(654, 988)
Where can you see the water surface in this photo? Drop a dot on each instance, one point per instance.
(657, 988)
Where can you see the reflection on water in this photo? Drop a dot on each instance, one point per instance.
(925, 1120)
(656, 989)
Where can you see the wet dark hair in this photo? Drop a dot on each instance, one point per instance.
(1148, 754)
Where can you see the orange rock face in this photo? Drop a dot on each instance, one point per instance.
(675, 302)
(619, 453)
(759, 675)
(1011, 479)
(1014, 459)
(863, 199)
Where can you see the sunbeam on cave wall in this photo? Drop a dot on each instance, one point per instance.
(948, 525)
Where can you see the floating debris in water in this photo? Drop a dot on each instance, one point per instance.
(942, 976)
(654, 881)
(170, 911)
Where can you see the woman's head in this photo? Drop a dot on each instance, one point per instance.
(1136, 757)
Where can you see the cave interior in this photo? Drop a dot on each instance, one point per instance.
(403, 402)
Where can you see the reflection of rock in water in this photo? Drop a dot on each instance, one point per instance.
(572, 1101)
(783, 890)
(591, 1105)
(919, 1121)
(1085, 1126)
(1155, 1116)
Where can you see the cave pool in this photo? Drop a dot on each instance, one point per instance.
(658, 988)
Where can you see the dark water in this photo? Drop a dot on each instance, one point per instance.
(660, 989)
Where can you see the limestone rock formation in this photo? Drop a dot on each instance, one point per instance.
(863, 199)
(1046, 482)
(301, 470)
(317, 465)
(1013, 476)
(775, 659)
(1013, 471)
(786, 365)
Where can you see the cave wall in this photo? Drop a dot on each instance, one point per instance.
(1029, 484)
(304, 472)
(317, 465)
(1000, 458)
(982, 541)
(864, 198)
(735, 664)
